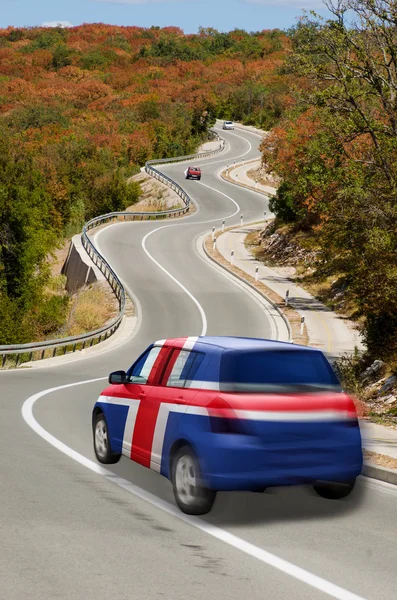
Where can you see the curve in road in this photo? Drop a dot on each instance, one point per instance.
(71, 534)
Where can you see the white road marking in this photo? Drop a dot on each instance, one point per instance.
(267, 558)
(193, 298)
(226, 196)
(174, 279)
(196, 302)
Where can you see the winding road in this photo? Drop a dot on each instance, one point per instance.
(71, 529)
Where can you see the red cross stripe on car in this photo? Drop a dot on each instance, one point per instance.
(150, 416)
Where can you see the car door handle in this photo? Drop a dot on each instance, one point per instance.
(142, 395)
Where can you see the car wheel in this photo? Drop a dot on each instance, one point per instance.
(102, 448)
(199, 178)
(192, 497)
(334, 491)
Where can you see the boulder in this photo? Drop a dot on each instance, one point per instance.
(389, 384)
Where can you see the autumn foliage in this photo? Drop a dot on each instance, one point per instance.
(336, 151)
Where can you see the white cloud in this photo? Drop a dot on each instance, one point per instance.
(288, 3)
(57, 24)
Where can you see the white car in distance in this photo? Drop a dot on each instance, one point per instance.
(228, 125)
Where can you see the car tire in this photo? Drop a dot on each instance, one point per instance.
(198, 178)
(334, 491)
(192, 497)
(102, 448)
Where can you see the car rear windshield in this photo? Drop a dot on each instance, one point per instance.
(195, 169)
(276, 371)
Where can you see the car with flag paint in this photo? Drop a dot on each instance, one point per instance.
(226, 413)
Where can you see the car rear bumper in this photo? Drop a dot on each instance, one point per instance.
(240, 464)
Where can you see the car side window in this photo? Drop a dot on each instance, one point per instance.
(184, 369)
(141, 371)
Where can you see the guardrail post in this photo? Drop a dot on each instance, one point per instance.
(54, 352)
(3, 362)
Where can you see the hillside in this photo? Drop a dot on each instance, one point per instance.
(81, 109)
(335, 151)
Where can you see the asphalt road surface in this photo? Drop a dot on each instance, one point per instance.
(72, 529)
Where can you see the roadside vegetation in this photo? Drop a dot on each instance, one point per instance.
(81, 110)
(336, 152)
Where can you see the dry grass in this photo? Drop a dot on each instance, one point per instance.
(92, 307)
(380, 459)
(291, 315)
(156, 196)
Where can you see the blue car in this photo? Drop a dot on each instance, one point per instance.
(224, 413)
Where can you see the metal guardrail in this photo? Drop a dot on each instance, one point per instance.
(20, 353)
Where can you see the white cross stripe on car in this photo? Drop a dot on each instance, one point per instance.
(190, 342)
(299, 415)
(133, 405)
(161, 425)
(130, 424)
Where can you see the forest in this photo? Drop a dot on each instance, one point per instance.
(82, 109)
(335, 149)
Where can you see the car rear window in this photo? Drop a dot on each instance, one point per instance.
(276, 371)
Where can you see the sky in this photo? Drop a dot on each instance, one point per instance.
(224, 15)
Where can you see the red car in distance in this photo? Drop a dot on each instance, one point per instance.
(193, 173)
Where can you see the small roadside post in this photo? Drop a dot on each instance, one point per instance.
(302, 324)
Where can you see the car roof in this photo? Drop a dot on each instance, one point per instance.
(238, 344)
